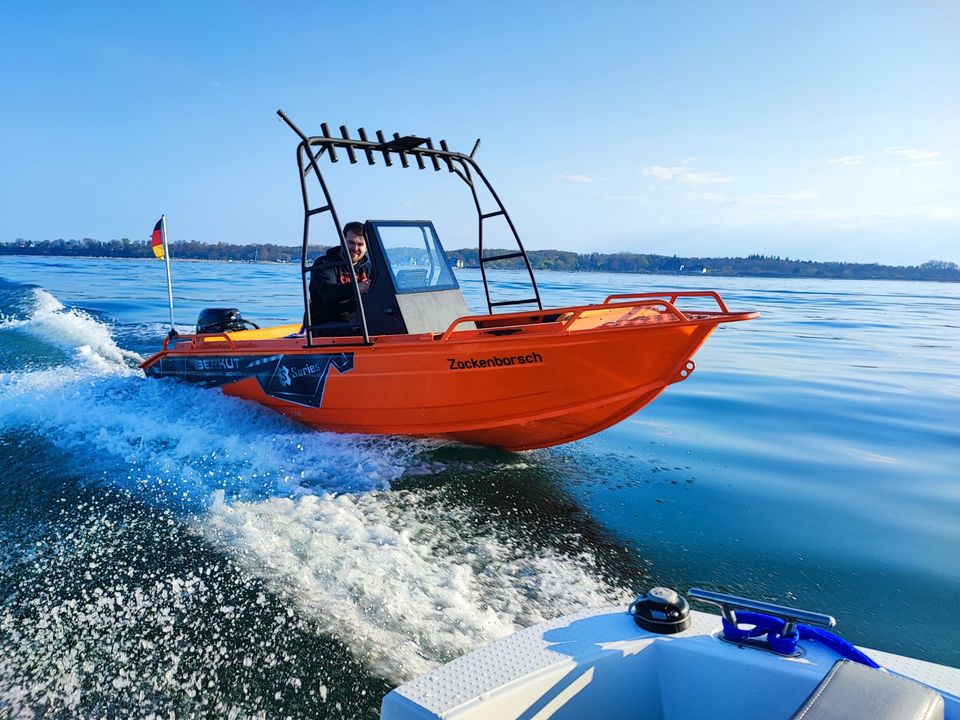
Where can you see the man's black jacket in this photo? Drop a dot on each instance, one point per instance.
(332, 297)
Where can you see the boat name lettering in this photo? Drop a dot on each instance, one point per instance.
(533, 358)
(216, 364)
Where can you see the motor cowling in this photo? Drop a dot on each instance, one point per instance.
(221, 320)
(661, 610)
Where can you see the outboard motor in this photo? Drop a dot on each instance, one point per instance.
(221, 320)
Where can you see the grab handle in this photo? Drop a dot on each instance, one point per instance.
(673, 295)
(729, 604)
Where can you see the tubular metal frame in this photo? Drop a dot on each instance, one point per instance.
(464, 166)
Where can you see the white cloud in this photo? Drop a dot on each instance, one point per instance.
(786, 208)
(700, 178)
(928, 212)
(681, 174)
(623, 197)
(928, 163)
(662, 173)
(917, 158)
(847, 160)
(914, 154)
(584, 179)
(760, 198)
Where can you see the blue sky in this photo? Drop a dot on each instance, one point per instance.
(814, 130)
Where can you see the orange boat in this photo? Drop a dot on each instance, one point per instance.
(415, 362)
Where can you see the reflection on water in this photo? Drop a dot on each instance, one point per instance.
(164, 548)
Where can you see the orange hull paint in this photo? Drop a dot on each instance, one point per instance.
(517, 382)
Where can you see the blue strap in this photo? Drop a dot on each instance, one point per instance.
(773, 628)
(837, 644)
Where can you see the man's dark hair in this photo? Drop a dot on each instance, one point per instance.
(353, 227)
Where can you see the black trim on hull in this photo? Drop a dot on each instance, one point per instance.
(298, 379)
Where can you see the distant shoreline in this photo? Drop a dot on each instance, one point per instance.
(755, 266)
(146, 259)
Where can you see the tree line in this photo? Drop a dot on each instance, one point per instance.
(621, 262)
(126, 248)
(750, 266)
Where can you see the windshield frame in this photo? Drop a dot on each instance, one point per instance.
(434, 249)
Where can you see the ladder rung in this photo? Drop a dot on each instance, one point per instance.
(318, 210)
(513, 302)
(493, 214)
(501, 257)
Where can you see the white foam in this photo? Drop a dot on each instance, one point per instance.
(191, 439)
(195, 438)
(404, 581)
(74, 329)
(10, 322)
(74, 643)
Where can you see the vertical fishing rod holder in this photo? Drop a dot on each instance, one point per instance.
(401, 148)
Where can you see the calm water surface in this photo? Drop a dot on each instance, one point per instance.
(165, 549)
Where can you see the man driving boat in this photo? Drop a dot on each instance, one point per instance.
(332, 297)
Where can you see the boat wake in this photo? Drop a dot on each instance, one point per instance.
(70, 329)
(403, 579)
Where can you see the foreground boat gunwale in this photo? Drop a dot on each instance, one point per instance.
(599, 663)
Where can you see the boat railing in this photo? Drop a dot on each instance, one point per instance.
(674, 295)
(506, 322)
(659, 303)
(564, 317)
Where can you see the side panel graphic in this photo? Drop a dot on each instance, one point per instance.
(298, 379)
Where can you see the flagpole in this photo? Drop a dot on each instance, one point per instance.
(166, 259)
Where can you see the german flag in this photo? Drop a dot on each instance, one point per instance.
(156, 240)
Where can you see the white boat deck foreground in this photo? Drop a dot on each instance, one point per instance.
(600, 664)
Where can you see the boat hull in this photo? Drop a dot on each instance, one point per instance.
(516, 388)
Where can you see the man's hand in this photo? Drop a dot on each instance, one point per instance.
(364, 285)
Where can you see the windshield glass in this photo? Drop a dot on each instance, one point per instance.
(415, 257)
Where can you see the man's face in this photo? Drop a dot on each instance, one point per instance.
(357, 246)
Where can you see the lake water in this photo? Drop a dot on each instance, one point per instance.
(165, 549)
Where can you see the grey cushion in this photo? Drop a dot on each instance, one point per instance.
(852, 691)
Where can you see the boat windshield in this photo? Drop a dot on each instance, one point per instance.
(415, 257)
